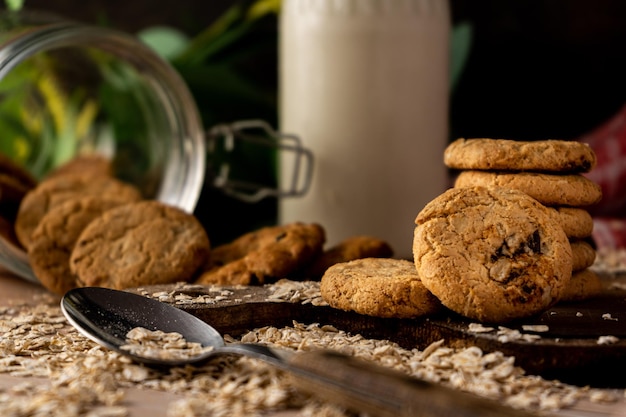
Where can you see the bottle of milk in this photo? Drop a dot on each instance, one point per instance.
(364, 83)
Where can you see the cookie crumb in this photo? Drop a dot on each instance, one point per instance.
(607, 316)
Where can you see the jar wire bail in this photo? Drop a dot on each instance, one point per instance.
(259, 132)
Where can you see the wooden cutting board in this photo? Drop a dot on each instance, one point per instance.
(569, 350)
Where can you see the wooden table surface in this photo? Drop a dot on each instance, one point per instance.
(141, 402)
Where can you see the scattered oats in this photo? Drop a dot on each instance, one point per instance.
(579, 314)
(603, 396)
(82, 378)
(305, 292)
(617, 286)
(506, 335)
(156, 344)
(479, 328)
(539, 328)
(553, 313)
(607, 340)
(607, 316)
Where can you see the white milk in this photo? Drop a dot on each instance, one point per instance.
(365, 85)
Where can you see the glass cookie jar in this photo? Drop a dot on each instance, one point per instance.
(69, 89)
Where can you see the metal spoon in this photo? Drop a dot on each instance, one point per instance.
(106, 316)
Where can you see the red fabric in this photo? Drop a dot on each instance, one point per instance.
(609, 143)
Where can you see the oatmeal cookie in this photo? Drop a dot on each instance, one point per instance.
(87, 165)
(491, 254)
(141, 243)
(576, 222)
(350, 249)
(53, 239)
(56, 190)
(264, 255)
(380, 287)
(583, 285)
(583, 255)
(551, 190)
(511, 155)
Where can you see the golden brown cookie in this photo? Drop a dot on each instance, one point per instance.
(512, 155)
(491, 254)
(583, 255)
(57, 190)
(583, 285)
(264, 255)
(576, 222)
(548, 189)
(380, 287)
(137, 244)
(53, 239)
(352, 248)
(87, 165)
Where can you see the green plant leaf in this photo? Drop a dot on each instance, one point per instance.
(14, 4)
(166, 41)
(460, 46)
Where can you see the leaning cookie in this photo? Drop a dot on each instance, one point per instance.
(513, 155)
(57, 190)
(350, 249)
(54, 238)
(137, 244)
(491, 254)
(264, 255)
(548, 189)
(380, 287)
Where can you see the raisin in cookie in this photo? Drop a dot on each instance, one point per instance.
(264, 255)
(56, 190)
(548, 189)
(54, 238)
(491, 254)
(137, 244)
(505, 154)
(380, 287)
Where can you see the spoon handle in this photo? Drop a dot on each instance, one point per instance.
(378, 391)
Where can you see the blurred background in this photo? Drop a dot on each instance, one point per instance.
(535, 69)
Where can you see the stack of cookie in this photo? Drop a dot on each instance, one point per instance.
(550, 171)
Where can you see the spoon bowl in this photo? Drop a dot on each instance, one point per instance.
(106, 316)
